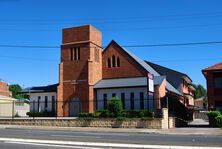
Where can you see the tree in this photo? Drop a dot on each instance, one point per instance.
(16, 91)
(200, 91)
(115, 107)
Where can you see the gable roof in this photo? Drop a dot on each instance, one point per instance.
(41, 89)
(134, 57)
(217, 66)
(145, 66)
(172, 76)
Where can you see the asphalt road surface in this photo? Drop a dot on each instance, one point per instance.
(102, 137)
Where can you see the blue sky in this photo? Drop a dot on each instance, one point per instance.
(129, 22)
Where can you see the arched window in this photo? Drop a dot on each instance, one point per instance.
(108, 62)
(113, 61)
(118, 62)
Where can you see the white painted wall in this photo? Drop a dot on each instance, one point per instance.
(21, 108)
(127, 91)
(6, 108)
(34, 98)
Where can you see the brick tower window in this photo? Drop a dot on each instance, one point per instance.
(71, 54)
(96, 54)
(74, 54)
(108, 62)
(78, 53)
(113, 61)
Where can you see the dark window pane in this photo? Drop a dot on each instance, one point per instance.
(141, 100)
(123, 99)
(109, 63)
(114, 61)
(132, 101)
(46, 101)
(105, 101)
(118, 62)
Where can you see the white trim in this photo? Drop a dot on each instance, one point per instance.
(90, 144)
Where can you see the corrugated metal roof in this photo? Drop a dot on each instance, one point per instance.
(127, 82)
(40, 89)
(142, 63)
(121, 82)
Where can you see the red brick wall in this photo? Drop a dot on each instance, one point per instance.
(128, 67)
(78, 77)
(160, 93)
(210, 89)
(4, 89)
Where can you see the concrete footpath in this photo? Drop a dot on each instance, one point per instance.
(174, 131)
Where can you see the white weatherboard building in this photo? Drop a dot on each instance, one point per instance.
(42, 98)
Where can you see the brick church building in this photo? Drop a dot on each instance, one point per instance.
(90, 75)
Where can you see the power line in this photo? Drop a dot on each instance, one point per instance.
(126, 46)
(174, 44)
(29, 46)
(120, 29)
(166, 60)
(210, 14)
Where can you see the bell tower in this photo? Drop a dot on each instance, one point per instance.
(80, 68)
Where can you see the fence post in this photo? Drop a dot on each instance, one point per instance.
(33, 109)
(13, 110)
(56, 104)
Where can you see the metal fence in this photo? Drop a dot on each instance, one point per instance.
(33, 109)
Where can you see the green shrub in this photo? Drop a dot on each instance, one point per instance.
(213, 114)
(84, 114)
(115, 107)
(219, 121)
(141, 113)
(40, 114)
(212, 117)
(101, 114)
(136, 113)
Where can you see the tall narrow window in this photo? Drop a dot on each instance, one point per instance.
(78, 53)
(105, 101)
(46, 102)
(113, 94)
(71, 54)
(141, 100)
(38, 104)
(123, 100)
(75, 54)
(118, 62)
(132, 101)
(108, 62)
(53, 103)
(113, 61)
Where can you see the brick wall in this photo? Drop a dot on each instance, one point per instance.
(211, 90)
(128, 67)
(4, 89)
(160, 93)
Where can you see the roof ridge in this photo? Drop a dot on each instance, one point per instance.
(166, 68)
(212, 67)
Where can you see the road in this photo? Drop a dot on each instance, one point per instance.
(100, 137)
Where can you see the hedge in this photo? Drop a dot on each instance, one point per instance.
(219, 120)
(40, 114)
